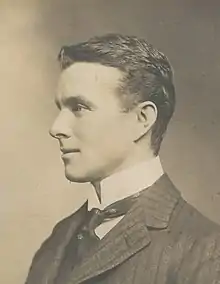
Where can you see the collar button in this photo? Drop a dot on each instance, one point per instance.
(80, 236)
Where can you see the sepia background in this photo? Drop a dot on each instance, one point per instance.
(34, 194)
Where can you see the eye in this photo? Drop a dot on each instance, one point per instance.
(78, 108)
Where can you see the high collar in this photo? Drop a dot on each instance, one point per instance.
(126, 182)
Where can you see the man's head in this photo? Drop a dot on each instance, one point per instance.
(116, 98)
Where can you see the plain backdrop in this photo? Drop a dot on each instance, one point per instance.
(34, 193)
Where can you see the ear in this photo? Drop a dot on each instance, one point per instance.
(146, 117)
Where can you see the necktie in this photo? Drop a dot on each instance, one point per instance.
(86, 239)
(96, 216)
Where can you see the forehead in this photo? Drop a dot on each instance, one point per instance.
(88, 79)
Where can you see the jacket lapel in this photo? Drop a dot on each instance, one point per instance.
(153, 208)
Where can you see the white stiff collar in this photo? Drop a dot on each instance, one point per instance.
(126, 182)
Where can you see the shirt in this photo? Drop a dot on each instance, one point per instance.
(123, 184)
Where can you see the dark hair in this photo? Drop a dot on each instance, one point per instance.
(147, 73)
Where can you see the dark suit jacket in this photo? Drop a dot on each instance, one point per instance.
(161, 240)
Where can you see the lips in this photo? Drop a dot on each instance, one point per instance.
(66, 150)
(69, 153)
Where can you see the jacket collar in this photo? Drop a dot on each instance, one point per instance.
(158, 202)
(153, 209)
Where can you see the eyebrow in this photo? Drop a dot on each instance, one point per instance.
(76, 100)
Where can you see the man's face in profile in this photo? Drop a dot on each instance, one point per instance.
(95, 135)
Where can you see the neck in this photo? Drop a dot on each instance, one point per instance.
(140, 156)
(133, 160)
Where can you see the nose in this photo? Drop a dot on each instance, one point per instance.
(61, 128)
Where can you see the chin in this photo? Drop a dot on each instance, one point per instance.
(83, 174)
(76, 178)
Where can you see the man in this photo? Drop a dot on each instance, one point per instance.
(116, 98)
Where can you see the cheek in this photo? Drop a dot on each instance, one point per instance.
(111, 138)
(88, 131)
(106, 135)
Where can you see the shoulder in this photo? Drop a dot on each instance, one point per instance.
(194, 222)
(195, 228)
(47, 252)
(63, 226)
(60, 229)
(195, 248)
